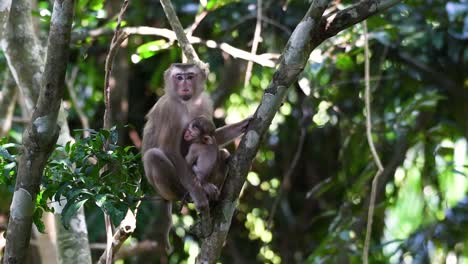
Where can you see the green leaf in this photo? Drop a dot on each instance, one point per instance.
(116, 209)
(151, 48)
(344, 62)
(114, 136)
(96, 5)
(70, 210)
(215, 4)
(128, 148)
(101, 200)
(37, 219)
(117, 212)
(61, 190)
(6, 155)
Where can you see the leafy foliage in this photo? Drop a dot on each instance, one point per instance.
(86, 171)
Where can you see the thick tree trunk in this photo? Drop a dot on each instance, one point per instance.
(41, 134)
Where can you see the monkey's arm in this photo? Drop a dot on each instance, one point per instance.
(228, 133)
(206, 162)
(192, 155)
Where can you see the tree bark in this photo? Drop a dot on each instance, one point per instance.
(41, 134)
(8, 97)
(23, 51)
(309, 33)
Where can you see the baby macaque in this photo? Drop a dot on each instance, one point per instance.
(201, 153)
(165, 166)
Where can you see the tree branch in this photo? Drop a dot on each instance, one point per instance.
(126, 228)
(293, 61)
(255, 42)
(117, 39)
(185, 45)
(22, 51)
(266, 59)
(113, 241)
(433, 74)
(70, 82)
(40, 136)
(309, 33)
(375, 155)
(354, 14)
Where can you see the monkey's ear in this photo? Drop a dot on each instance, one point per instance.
(207, 140)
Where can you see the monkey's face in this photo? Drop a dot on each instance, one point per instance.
(191, 133)
(184, 84)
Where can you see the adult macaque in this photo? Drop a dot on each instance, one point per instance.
(165, 167)
(201, 153)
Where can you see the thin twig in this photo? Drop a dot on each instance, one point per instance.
(198, 19)
(117, 39)
(287, 176)
(265, 19)
(83, 118)
(256, 40)
(196, 22)
(375, 155)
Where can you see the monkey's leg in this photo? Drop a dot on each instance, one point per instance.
(204, 228)
(161, 173)
(193, 186)
(219, 176)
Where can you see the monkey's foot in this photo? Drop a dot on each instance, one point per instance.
(201, 229)
(211, 191)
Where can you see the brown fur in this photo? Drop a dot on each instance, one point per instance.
(165, 167)
(203, 157)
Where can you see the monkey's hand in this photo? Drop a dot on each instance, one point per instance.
(202, 228)
(245, 123)
(227, 133)
(211, 191)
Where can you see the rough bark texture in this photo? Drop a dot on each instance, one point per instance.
(69, 251)
(5, 6)
(41, 134)
(309, 33)
(8, 96)
(124, 231)
(22, 51)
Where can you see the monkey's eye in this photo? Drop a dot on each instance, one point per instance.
(179, 77)
(189, 77)
(207, 140)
